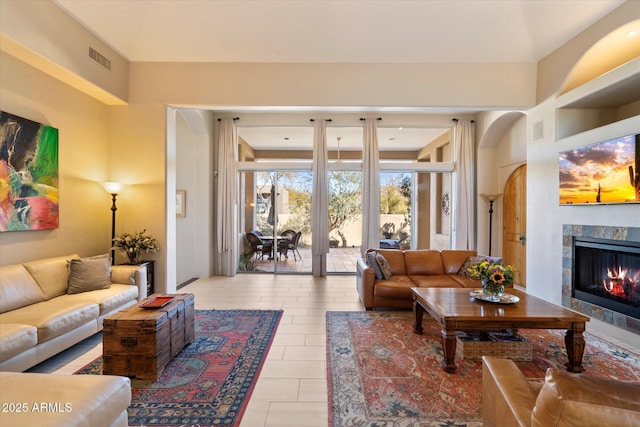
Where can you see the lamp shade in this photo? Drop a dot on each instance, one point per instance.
(112, 187)
(490, 197)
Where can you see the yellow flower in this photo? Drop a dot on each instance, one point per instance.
(497, 277)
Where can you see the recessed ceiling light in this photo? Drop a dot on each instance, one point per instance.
(632, 33)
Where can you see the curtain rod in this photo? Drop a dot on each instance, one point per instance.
(456, 120)
(326, 120)
(234, 119)
(362, 119)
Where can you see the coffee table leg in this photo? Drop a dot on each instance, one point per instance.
(418, 311)
(449, 350)
(574, 341)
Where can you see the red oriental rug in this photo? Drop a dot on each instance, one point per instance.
(380, 373)
(208, 383)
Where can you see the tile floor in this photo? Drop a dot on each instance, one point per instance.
(339, 261)
(292, 388)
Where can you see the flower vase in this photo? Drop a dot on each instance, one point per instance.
(134, 257)
(492, 289)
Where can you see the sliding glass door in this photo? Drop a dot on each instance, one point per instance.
(345, 220)
(276, 222)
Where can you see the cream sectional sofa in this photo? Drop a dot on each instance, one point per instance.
(41, 314)
(50, 400)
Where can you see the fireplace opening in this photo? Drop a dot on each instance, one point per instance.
(607, 273)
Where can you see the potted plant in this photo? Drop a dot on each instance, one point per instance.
(494, 276)
(133, 244)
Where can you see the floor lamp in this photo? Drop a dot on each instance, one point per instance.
(113, 188)
(490, 198)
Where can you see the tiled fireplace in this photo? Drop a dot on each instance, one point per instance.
(604, 265)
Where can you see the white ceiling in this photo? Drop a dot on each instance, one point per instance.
(364, 31)
(301, 138)
(398, 31)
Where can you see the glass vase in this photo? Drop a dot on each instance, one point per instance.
(134, 257)
(492, 289)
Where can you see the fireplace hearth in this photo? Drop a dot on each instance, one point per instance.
(607, 273)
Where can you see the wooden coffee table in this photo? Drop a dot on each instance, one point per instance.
(139, 342)
(454, 309)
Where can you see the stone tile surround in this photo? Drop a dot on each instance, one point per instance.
(603, 232)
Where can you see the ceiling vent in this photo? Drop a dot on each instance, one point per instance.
(99, 58)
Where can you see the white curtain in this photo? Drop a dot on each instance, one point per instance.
(464, 218)
(320, 200)
(226, 197)
(370, 187)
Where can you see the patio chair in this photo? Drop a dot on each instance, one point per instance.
(258, 247)
(284, 246)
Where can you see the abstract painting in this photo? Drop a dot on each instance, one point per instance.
(28, 174)
(606, 172)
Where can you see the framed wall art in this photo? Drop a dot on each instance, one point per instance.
(28, 174)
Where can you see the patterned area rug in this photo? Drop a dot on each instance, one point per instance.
(208, 383)
(380, 373)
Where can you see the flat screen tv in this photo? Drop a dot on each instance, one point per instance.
(605, 172)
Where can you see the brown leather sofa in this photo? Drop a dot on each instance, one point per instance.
(564, 399)
(411, 268)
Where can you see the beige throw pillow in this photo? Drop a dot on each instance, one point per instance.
(89, 274)
(384, 266)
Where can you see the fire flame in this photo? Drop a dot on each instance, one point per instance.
(621, 283)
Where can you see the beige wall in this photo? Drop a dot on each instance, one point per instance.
(83, 125)
(366, 85)
(42, 35)
(556, 67)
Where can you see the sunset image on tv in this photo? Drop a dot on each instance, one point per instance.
(606, 172)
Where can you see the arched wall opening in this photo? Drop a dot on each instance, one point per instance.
(613, 50)
(191, 173)
(501, 148)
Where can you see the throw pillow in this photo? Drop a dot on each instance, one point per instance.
(384, 266)
(89, 274)
(469, 263)
(124, 274)
(371, 260)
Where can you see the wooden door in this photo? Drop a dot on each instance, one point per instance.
(514, 218)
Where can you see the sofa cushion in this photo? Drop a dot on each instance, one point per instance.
(423, 262)
(16, 338)
(568, 399)
(453, 260)
(435, 281)
(399, 287)
(395, 258)
(89, 274)
(51, 274)
(124, 274)
(54, 317)
(371, 260)
(384, 266)
(466, 281)
(107, 299)
(17, 288)
(85, 400)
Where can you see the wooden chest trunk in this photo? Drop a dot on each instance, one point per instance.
(139, 342)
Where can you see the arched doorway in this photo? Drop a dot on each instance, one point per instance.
(514, 229)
